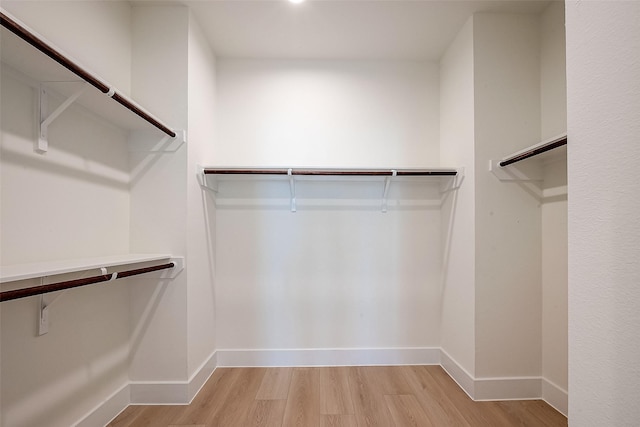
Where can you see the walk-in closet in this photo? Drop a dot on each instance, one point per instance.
(212, 212)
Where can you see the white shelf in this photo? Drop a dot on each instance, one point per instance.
(527, 164)
(38, 68)
(543, 151)
(330, 188)
(12, 273)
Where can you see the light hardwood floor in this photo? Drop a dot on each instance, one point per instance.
(384, 396)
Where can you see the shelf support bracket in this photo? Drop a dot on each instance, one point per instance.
(204, 181)
(292, 187)
(46, 119)
(387, 183)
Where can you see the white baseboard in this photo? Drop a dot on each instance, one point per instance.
(509, 388)
(159, 393)
(107, 410)
(555, 396)
(460, 375)
(149, 393)
(172, 392)
(329, 357)
(202, 374)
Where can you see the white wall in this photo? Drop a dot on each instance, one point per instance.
(106, 42)
(158, 194)
(508, 224)
(71, 202)
(327, 277)
(201, 210)
(603, 101)
(327, 113)
(458, 213)
(553, 97)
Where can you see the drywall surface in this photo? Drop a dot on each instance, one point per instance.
(106, 41)
(71, 202)
(554, 278)
(603, 101)
(508, 225)
(327, 278)
(158, 194)
(327, 113)
(458, 212)
(553, 79)
(553, 90)
(201, 210)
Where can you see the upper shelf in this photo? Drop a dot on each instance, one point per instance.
(25, 51)
(544, 152)
(535, 150)
(12, 273)
(331, 172)
(317, 187)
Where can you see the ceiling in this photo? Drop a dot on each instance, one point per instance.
(341, 29)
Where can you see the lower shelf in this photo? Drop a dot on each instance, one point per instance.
(12, 273)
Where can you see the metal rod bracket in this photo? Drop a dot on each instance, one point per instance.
(387, 183)
(292, 188)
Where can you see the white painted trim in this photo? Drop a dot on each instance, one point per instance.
(173, 392)
(149, 393)
(201, 375)
(460, 375)
(508, 388)
(103, 413)
(329, 357)
(159, 392)
(505, 388)
(555, 396)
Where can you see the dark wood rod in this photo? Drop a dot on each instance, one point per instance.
(330, 172)
(534, 152)
(143, 114)
(246, 171)
(26, 35)
(59, 286)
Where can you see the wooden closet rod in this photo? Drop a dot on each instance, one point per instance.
(534, 152)
(67, 63)
(329, 172)
(59, 286)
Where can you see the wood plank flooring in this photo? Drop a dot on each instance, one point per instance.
(385, 396)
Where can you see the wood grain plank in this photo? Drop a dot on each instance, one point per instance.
(211, 398)
(157, 415)
(475, 413)
(235, 409)
(127, 417)
(275, 384)
(229, 399)
(432, 397)
(266, 413)
(406, 411)
(303, 404)
(335, 396)
(338, 421)
(532, 413)
(389, 379)
(368, 400)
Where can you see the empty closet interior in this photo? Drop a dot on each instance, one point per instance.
(331, 183)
